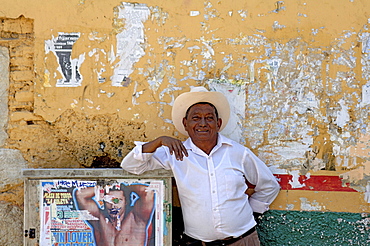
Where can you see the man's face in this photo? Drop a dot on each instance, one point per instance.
(202, 123)
(115, 203)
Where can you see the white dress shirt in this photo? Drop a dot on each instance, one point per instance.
(211, 187)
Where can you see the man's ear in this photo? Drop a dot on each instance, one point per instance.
(219, 123)
(184, 122)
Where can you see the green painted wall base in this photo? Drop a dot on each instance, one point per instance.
(314, 228)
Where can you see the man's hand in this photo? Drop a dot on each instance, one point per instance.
(249, 191)
(175, 146)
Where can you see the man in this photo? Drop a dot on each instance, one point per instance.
(119, 222)
(211, 172)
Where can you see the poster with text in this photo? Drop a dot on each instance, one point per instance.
(101, 213)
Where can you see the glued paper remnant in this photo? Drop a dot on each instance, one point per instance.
(61, 46)
(130, 41)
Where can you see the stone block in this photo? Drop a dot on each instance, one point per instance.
(20, 25)
(22, 52)
(24, 96)
(26, 116)
(22, 75)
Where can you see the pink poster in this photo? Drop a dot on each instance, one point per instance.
(102, 213)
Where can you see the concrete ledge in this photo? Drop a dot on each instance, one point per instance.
(89, 173)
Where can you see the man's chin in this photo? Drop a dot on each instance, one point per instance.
(203, 137)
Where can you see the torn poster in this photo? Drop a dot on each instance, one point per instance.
(130, 41)
(100, 213)
(61, 46)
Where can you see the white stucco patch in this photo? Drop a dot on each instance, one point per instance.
(310, 206)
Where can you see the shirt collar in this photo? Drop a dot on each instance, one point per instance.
(221, 140)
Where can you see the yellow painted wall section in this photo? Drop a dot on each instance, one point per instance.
(105, 73)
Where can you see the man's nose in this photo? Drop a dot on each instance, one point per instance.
(203, 121)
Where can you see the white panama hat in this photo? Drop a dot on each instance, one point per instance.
(197, 95)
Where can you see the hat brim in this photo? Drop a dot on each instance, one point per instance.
(187, 99)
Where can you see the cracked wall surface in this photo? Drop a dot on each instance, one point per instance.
(88, 78)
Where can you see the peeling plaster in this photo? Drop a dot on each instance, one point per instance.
(136, 95)
(158, 15)
(277, 26)
(99, 69)
(365, 94)
(342, 116)
(194, 13)
(294, 182)
(310, 206)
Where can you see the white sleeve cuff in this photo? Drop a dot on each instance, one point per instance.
(138, 152)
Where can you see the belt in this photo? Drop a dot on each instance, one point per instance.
(221, 242)
(229, 240)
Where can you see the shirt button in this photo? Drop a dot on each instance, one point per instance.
(211, 174)
(213, 191)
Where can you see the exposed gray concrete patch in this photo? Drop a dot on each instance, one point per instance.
(11, 226)
(4, 86)
(11, 165)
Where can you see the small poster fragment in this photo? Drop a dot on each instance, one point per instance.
(62, 46)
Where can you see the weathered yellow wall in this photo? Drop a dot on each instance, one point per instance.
(296, 72)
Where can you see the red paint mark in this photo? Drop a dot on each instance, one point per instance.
(314, 183)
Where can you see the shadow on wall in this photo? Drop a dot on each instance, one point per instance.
(104, 161)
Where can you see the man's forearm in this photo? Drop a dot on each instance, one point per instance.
(152, 146)
(174, 145)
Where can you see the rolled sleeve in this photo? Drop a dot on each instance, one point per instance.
(257, 206)
(267, 187)
(137, 162)
(262, 198)
(138, 152)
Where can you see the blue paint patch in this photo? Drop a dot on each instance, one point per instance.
(134, 197)
(165, 229)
